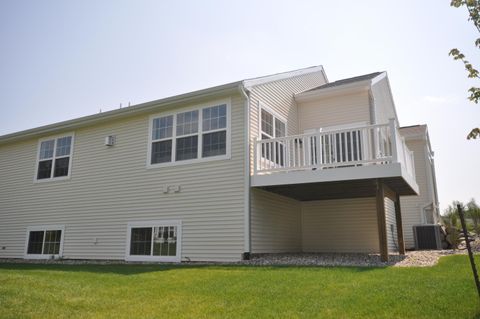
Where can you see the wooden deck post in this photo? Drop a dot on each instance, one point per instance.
(398, 218)
(382, 225)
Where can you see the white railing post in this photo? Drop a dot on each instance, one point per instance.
(318, 149)
(255, 157)
(393, 134)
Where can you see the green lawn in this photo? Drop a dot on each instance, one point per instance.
(156, 291)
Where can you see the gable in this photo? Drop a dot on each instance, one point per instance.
(384, 106)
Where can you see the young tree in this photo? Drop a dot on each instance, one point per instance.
(473, 212)
(473, 7)
(450, 220)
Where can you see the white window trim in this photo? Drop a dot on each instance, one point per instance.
(276, 115)
(26, 255)
(155, 223)
(70, 163)
(200, 133)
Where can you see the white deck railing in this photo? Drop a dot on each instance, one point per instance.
(366, 145)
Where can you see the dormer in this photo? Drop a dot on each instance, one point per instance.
(361, 100)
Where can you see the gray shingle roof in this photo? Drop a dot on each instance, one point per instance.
(347, 81)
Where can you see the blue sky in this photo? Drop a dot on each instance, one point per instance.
(63, 59)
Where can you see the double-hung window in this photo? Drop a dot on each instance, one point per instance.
(214, 128)
(187, 136)
(54, 158)
(162, 139)
(192, 135)
(156, 240)
(44, 241)
(272, 126)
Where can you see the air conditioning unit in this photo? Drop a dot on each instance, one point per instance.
(427, 237)
(110, 140)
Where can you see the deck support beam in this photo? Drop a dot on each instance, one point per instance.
(398, 218)
(382, 225)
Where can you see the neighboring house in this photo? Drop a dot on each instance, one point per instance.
(424, 208)
(282, 163)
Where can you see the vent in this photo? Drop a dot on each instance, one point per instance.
(110, 140)
(427, 237)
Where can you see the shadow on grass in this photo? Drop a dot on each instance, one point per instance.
(134, 269)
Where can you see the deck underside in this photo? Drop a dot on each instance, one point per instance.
(338, 190)
(339, 183)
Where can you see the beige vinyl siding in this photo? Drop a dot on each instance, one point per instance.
(276, 223)
(331, 111)
(384, 107)
(278, 96)
(345, 225)
(411, 206)
(275, 220)
(391, 225)
(111, 186)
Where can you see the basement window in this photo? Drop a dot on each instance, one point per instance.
(44, 242)
(54, 158)
(155, 241)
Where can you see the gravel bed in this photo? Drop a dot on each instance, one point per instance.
(411, 259)
(422, 258)
(426, 258)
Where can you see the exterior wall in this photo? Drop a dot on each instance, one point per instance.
(332, 111)
(346, 225)
(276, 223)
(275, 220)
(382, 99)
(411, 206)
(391, 225)
(110, 187)
(278, 96)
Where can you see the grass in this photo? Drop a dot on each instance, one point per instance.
(155, 291)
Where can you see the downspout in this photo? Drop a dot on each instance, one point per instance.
(435, 191)
(246, 227)
(431, 154)
(432, 178)
(422, 209)
(371, 102)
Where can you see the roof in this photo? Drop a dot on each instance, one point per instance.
(153, 105)
(416, 132)
(280, 76)
(413, 130)
(354, 79)
(119, 113)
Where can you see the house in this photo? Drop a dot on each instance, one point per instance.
(424, 208)
(283, 163)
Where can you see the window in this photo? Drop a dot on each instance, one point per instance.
(214, 127)
(157, 240)
(190, 136)
(44, 241)
(162, 132)
(272, 127)
(54, 158)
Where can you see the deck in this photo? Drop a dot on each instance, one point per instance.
(343, 163)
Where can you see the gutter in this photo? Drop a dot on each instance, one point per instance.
(247, 229)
